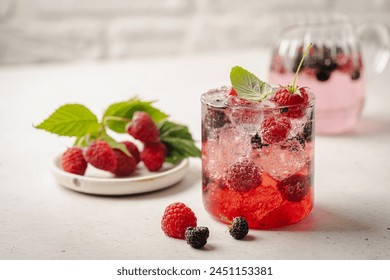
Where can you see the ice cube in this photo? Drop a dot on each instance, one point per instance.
(224, 150)
(281, 161)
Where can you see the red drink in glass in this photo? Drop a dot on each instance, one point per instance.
(267, 178)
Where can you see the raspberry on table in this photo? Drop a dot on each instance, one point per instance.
(133, 150)
(197, 236)
(176, 219)
(125, 164)
(143, 128)
(101, 155)
(239, 228)
(294, 188)
(243, 175)
(275, 129)
(153, 155)
(73, 161)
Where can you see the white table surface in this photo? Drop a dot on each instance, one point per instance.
(41, 220)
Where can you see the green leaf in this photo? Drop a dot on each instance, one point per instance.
(114, 144)
(85, 141)
(178, 141)
(119, 114)
(71, 120)
(247, 85)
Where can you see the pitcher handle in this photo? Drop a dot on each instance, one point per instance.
(375, 47)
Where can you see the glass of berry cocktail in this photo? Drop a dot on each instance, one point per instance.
(258, 151)
(333, 69)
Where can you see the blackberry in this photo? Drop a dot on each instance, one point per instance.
(323, 75)
(256, 142)
(294, 188)
(213, 119)
(239, 228)
(308, 128)
(206, 180)
(329, 64)
(355, 75)
(197, 236)
(308, 131)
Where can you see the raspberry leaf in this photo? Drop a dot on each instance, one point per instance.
(114, 144)
(119, 114)
(85, 141)
(71, 120)
(247, 85)
(178, 140)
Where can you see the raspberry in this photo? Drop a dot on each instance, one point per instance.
(197, 237)
(133, 150)
(295, 104)
(73, 161)
(125, 164)
(345, 63)
(232, 92)
(243, 175)
(153, 155)
(101, 155)
(275, 129)
(176, 219)
(277, 64)
(294, 188)
(239, 228)
(143, 128)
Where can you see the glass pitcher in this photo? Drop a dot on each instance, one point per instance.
(334, 68)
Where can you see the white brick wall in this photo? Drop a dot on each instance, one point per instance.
(64, 30)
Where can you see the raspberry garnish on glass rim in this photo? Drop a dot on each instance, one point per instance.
(247, 86)
(292, 95)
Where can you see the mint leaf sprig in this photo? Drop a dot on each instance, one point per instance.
(248, 86)
(76, 120)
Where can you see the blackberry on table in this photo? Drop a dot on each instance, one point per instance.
(197, 236)
(239, 228)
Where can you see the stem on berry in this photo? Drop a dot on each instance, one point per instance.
(79, 141)
(224, 218)
(115, 118)
(293, 87)
(88, 139)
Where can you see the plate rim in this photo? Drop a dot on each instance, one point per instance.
(172, 175)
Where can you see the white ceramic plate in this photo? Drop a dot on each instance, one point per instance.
(104, 183)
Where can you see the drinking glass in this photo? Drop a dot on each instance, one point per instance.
(248, 172)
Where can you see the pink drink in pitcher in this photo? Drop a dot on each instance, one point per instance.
(337, 80)
(333, 69)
